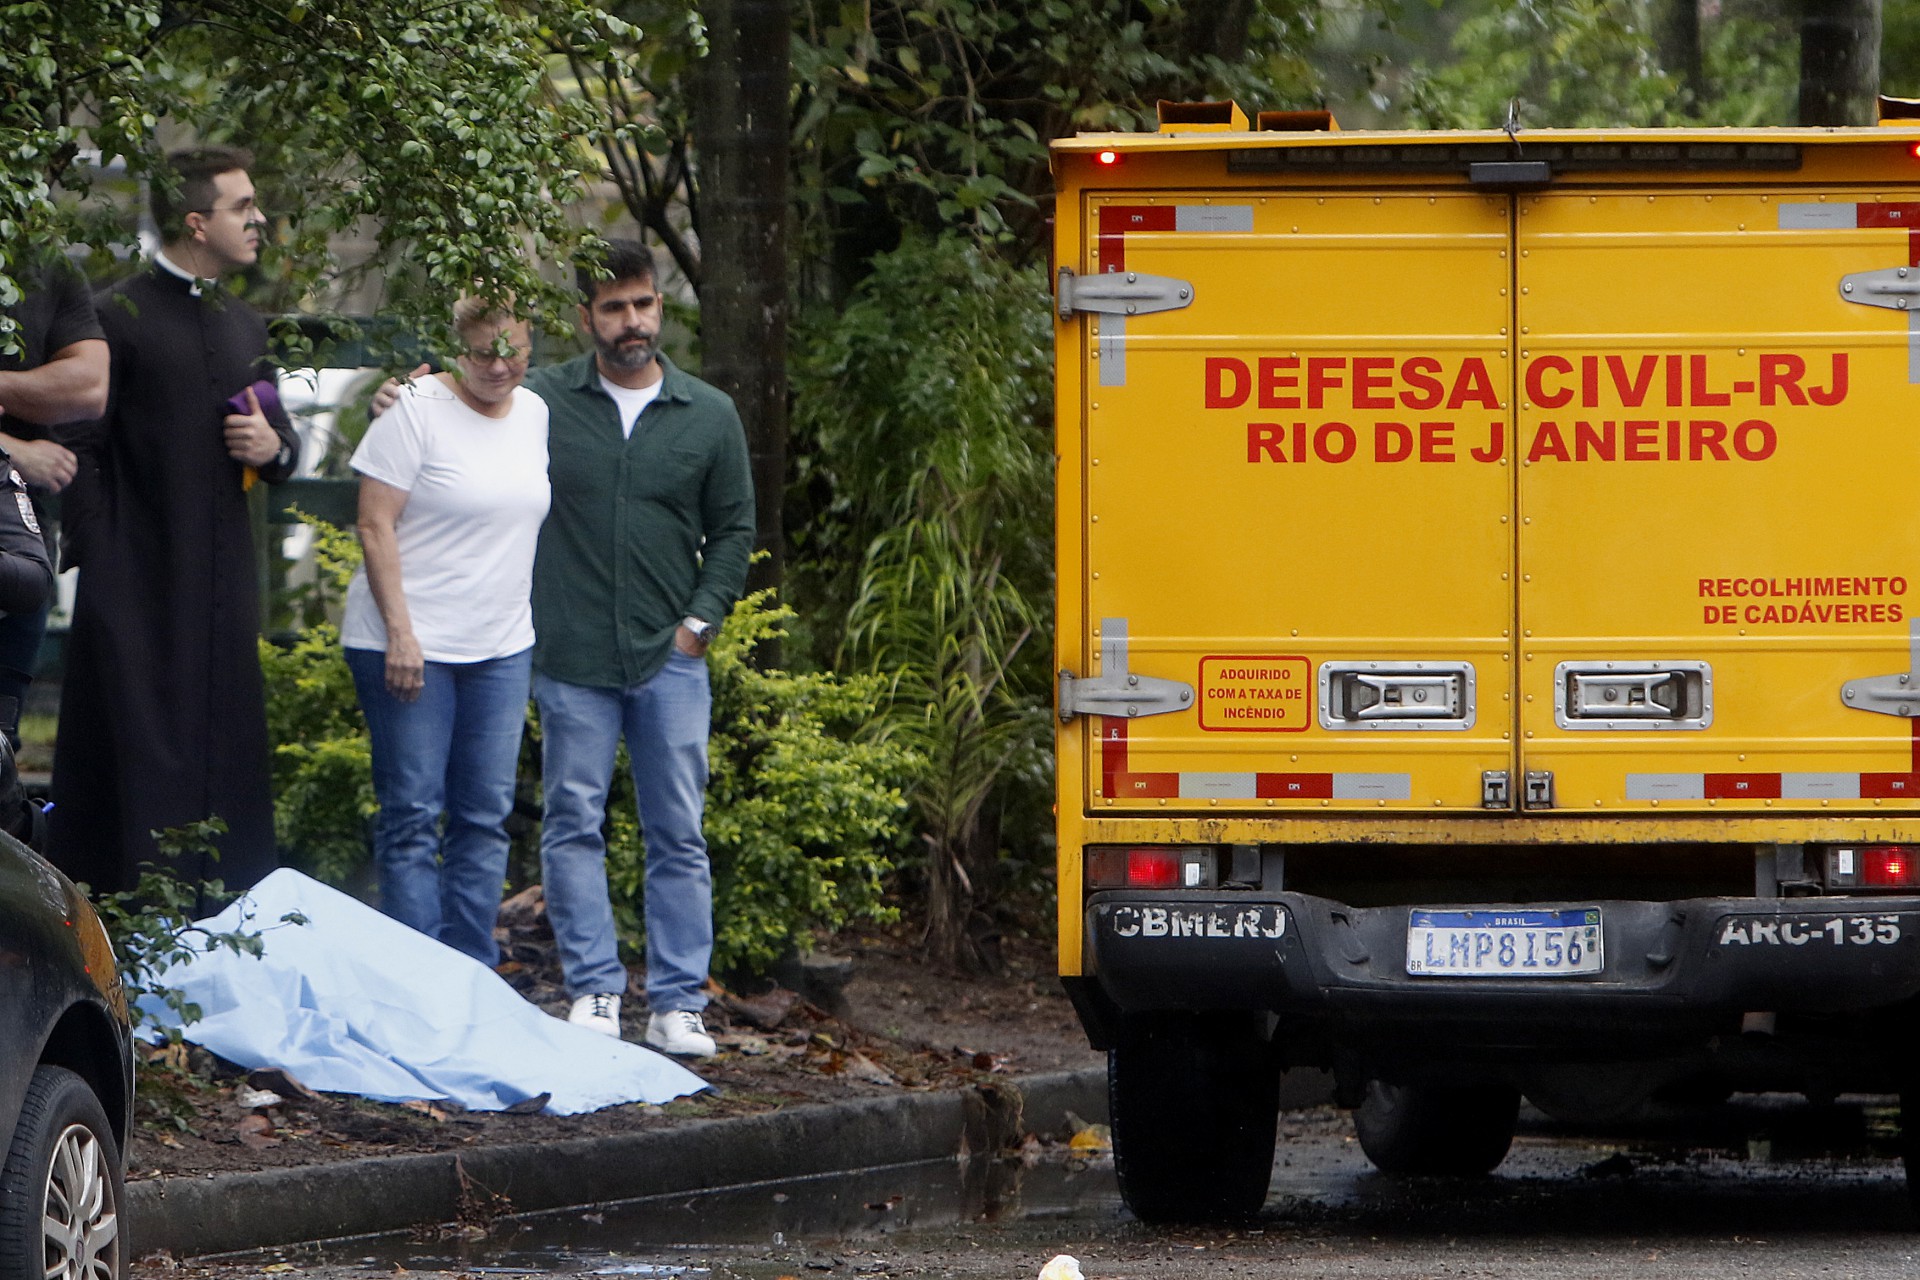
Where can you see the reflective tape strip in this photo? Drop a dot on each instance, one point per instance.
(1372, 786)
(1213, 217)
(1110, 350)
(1812, 217)
(1819, 786)
(1666, 786)
(1218, 786)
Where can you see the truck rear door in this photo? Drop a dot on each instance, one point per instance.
(1299, 518)
(1718, 429)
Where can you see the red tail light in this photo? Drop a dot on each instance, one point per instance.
(1874, 866)
(1107, 159)
(1891, 867)
(1117, 868)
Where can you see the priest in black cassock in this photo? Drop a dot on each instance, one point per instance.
(162, 709)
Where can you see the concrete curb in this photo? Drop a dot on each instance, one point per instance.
(227, 1212)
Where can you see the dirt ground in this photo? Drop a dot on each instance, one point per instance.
(886, 1022)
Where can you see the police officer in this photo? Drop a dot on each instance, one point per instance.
(26, 576)
(26, 584)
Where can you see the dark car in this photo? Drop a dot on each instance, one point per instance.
(66, 1079)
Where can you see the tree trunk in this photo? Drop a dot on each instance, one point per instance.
(1839, 61)
(738, 101)
(1677, 35)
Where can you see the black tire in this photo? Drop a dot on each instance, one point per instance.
(1439, 1130)
(1194, 1103)
(64, 1170)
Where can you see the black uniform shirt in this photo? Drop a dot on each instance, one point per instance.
(56, 313)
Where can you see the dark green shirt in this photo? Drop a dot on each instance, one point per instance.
(643, 531)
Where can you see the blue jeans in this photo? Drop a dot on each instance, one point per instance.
(453, 750)
(665, 721)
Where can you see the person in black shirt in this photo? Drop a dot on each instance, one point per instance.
(57, 376)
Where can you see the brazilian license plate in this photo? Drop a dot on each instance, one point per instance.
(1517, 943)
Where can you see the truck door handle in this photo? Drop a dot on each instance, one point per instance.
(1633, 695)
(1396, 695)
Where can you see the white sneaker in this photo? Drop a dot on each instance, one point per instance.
(680, 1032)
(597, 1012)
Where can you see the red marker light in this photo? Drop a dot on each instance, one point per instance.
(1914, 150)
(1113, 157)
(1887, 867)
(1153, 868)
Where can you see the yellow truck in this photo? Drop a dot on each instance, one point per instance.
(1487, 654)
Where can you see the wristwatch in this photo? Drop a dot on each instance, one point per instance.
(703, 631)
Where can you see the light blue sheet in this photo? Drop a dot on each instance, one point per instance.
(353, 1002)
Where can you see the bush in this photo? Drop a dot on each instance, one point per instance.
(803, 810)
(322, 760)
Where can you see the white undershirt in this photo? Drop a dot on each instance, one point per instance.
(630, 400)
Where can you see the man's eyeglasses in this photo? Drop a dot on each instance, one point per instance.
(245, 208)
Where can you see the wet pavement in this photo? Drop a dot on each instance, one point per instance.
(1765, 1186)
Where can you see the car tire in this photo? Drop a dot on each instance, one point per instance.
(62, 1187)
(1436, 1130)
(1194, 1104)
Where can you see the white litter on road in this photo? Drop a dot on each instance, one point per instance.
(354, 1002)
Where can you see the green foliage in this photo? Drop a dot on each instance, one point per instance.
(431, 124)
(937, 371)
(1596, 63)
(322, 759)
(151, 925)
(924, 416)
(941, 108)
(1566, 62)
(803, 809)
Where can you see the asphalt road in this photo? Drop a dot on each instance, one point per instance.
(1753, 1190)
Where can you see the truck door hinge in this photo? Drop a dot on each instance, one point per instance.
(1123, 293)
(1123, 694)
(1539, 789)
(1496, 789)
(1892, 695)
(1896, 289)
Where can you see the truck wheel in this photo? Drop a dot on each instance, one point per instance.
(1430, 1129)
(1194, 1103)
(60, 1190)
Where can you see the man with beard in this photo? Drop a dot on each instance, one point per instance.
(641, 558)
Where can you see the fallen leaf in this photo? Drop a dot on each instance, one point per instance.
(1093, 1138)
(861, 1067)
(256, 1133)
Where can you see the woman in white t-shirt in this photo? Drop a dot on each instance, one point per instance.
(439, 630)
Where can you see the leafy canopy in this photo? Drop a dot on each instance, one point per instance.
(429, 126)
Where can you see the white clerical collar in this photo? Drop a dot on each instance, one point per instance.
(173, 268)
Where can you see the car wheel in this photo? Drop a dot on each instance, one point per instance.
(1194, 1103)
(61, 1188)
(1433, 1129)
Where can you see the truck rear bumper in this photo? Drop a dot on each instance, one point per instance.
(1687, 964)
